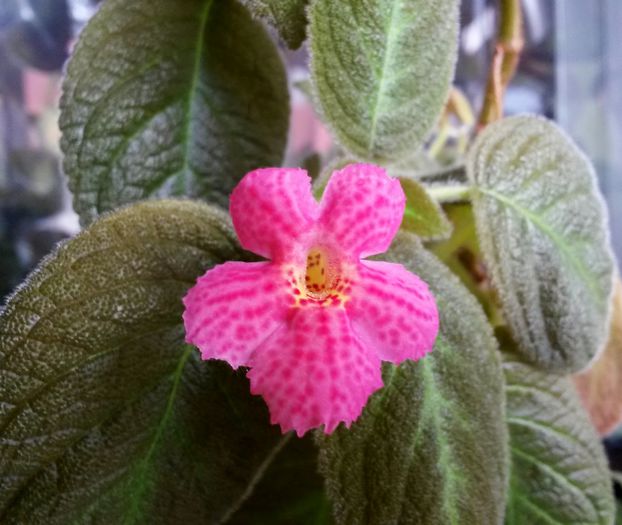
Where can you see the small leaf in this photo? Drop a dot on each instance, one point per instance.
(431, 446)
(600, 387)
(382, 70)
(287, 16)
(423, 216)
(169, 98)
(105, 415)
(559, 472)
(542, 228)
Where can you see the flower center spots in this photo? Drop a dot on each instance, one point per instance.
(325, 282)
(316, 275)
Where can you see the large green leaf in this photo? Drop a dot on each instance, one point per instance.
(559, 472)
(164, 97)
(105, 415)
(382, 70)
(542, 228)
(287, 16)
(431, 446)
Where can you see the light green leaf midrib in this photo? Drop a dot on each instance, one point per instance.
(255, 479)
(517, 496)
(433, 401)
(143, 467)
(192, 92)
(563, 480)
(386, 61)
(565, 250)
(185, 170)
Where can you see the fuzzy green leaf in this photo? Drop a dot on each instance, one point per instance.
(542, 228)
(431, 446)
(423, 216)
(382, 70)
(559, 472)
(291, 491)
(106, 416)
(166, 98)
(287, 16)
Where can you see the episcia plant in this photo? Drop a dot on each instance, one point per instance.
(174, 363)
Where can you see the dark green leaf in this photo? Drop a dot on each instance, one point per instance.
(105, 415)
(382, 70)
(287, 16)
(423, 216)
(291, 491)
(559, 472)
(166, 98)
(542, 228)
(430, 447)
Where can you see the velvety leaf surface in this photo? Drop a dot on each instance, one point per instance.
(291, 491)
(542, 228)
(431, 446)
(164, 98)
(600, 387)
(287, 16)
(382, 70)
(559, 472)
(423, 216)
(106, 416)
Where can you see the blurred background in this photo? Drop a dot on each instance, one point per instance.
(571, 70)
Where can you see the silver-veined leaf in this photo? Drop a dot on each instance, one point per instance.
(382, 70)
(543, 232)
(165, 98)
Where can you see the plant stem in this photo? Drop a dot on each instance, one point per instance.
(510, 43)
(452, 193)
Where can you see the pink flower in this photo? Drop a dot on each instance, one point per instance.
(315, 321)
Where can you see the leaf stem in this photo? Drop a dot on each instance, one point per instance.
(509, 46)
(452, 193)
(261, 470)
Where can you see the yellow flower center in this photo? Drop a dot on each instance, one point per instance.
(316, 275)
(326, 282)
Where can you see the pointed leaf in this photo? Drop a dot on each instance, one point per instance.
(382, 70)
(431, 446)
(287, 16)
(105, 415)
(542, 228)
(167, 98)
(559, 472)
(423, 216)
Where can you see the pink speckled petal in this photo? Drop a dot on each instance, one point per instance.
(362, 209)
(233, 308)
(314, 371)
(272, 210)
(393, 311)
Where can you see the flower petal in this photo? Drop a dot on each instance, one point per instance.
(314, 371)
(393, 311)
(272, 210)
(362, 209)
(234, 307)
